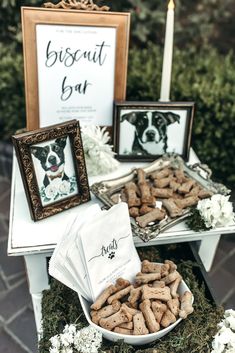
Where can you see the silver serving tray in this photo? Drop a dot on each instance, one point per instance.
(108, 191)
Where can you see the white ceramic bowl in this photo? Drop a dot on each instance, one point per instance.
(133, 340)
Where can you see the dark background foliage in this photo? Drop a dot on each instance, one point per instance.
(203, 69)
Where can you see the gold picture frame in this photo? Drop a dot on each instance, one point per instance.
(53, 169)
(34, 18)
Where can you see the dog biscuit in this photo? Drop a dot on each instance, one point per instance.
(156, 293)
(186, 307)
(174, 185)
(162, 193)
(103, 297)
(173, 266)
(159, 309)
(150, 267)
(141, 175)
(186, 187)
(134, 212)
(171, 277)
(203, 194)
(179, 173)
(165, 269)
(150, 320)
(131, 311)
(155, 215)
(134, 296)
(174, 287)
(188, 201)
(159, 174)
(128, 325)
(123, 331)
(174, 306)
(105, 311)
(193, 192)
(145, 209)
(145, 193)
(172, 208)
(139, 325)
(158, 284)
(168, 318)
(115, 320)
(143, 278)
(131, 192)
(162, 183)
(120, 294)
(121, 283)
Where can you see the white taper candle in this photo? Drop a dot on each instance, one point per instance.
(168, 54)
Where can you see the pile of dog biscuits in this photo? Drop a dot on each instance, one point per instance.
(175, 191)
(148, 305)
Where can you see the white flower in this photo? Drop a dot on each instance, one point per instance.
(88, 341)
(216, 211)
(64, 187)
(55, 341)
(54, 350)
(66, 339)
(98, 153)
(224, 340)
(51, 191)
(56, 182)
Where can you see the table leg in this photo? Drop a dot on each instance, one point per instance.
(207, 250)
(36, 266)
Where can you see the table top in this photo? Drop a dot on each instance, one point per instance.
(29, 237)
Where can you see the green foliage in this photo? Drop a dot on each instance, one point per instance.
(195, 221)
(205, 77)
(12, 106)
(197, 22)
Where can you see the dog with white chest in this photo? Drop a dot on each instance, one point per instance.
(150, 130)
(52, 159)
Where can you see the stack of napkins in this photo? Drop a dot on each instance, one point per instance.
(95, 251)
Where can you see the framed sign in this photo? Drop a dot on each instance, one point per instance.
(53, 169)
(75, 65)
(147, 130)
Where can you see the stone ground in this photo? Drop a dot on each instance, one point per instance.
(17, 326)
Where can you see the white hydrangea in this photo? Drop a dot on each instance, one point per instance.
(216, 211)
(86, 340)
(224, 340)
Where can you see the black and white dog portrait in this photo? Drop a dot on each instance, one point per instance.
(52, 159)
(150, 130)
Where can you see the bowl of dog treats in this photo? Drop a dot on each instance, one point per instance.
(159, 195)
(143, 311)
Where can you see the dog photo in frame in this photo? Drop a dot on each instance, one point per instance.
(53, 169)
(147, 130)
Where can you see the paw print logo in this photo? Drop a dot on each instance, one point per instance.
(111, 255)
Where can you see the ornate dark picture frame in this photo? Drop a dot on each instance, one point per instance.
(53, 168)
(144, 131)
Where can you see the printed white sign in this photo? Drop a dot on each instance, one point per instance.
(76, 68)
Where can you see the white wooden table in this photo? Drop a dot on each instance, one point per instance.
(37, 240)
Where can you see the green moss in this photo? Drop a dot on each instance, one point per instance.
(60, 305)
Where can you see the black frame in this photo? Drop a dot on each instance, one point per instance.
(121, 105)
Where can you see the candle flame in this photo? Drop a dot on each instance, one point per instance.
(171, 5)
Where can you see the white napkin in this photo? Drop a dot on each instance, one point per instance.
(109, 249)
